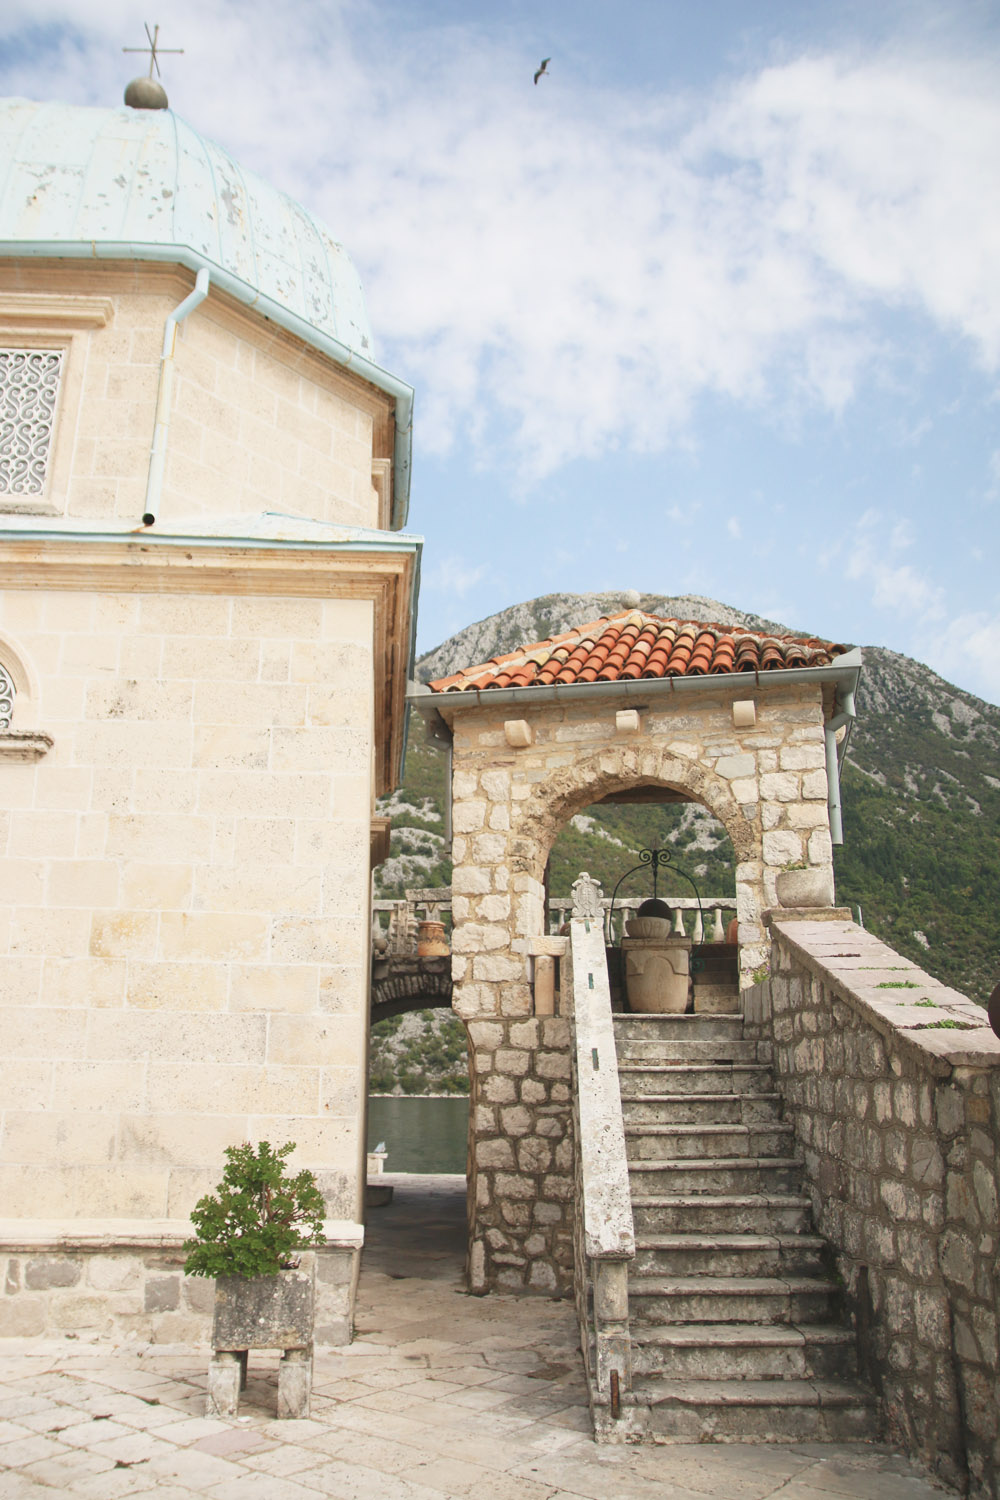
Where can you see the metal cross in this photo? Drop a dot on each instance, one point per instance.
(153, 49)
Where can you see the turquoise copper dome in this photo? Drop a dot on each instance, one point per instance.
(142, 185)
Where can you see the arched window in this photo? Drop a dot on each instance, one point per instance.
(7, 691)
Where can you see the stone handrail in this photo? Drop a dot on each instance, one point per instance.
(891, 1081)
(604, 1232)
(396, 920)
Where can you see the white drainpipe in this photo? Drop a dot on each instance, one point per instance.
(158, 452)
(844, 714)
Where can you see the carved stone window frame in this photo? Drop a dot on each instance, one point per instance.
(22, 740)
(36, 320)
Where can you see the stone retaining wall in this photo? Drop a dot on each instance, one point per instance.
(122, 1292)
(892, 1082)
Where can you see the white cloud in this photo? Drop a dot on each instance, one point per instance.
(966, 649)
(566, 271)
(894, 586)
(734, 528)
(454, 576)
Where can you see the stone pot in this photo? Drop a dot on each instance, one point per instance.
(657, 975)
(648, 927)
(266, 1312)
(263, 1312)
(431, 941)
(812, 887)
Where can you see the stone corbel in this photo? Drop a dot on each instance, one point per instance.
(24, 745)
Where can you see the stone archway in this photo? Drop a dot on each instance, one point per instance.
(759, 770)
(593, 778)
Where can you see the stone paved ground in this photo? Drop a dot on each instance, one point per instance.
(440, 1395)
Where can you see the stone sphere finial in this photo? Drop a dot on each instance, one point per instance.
(146, 93)
(630, 598)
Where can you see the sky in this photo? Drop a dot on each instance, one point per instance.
(712, 308)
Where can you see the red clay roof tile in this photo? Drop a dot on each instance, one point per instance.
(631, 645)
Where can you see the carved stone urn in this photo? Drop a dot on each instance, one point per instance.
(657, 974)
(431, 941)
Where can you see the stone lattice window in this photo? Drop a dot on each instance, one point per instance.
(6, 699)
(29, 385)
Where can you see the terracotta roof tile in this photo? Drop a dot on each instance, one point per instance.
(633, 645)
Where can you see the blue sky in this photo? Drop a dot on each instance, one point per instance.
(712, 309)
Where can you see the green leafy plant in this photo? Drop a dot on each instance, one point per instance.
(947, 1026)
(932, 1003)
(258, 1216)
(897, 984)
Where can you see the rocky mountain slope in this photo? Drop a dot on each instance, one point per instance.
(921, 857)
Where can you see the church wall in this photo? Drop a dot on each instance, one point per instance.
(258, 421)
(184, 899)
(767, 785)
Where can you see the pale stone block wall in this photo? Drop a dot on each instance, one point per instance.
(765, 783)
(258, 421)
(184, 898)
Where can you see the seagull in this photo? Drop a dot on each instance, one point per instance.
(379, 1149)
(543, 69)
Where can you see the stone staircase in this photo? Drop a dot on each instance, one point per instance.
(736, 1322)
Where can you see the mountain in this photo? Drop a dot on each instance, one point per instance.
(921, 793)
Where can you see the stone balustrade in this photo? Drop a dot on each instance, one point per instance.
(396, 920)
(892, 1083)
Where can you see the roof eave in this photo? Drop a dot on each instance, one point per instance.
(844, 671)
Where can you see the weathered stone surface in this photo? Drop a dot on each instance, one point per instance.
(49, 1271)
(266, 1312)
(902, 1167)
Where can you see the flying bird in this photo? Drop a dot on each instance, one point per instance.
(543, 69)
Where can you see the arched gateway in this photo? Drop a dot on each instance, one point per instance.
(632, 707)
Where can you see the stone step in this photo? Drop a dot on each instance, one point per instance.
(715, 999)
(732, 1174)
(730, 1213)
(645, 1028)
(745, 1351)
(762, 1411)
(733, 1299)
(721, 1108)
(720, 1254)
(648, 1142)
(698, 1050)
(641, 1079)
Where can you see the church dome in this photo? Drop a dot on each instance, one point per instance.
(142, 185)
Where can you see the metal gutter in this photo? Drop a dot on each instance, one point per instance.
(395, 541)
(843, 670)
(242, 291)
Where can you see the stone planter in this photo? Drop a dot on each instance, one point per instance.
(264, 1312)
(812, 887)
(657, 975)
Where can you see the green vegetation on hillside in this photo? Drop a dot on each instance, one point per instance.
(423, 1052)
(921, 794)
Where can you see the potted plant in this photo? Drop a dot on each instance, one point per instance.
(249, 1235)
